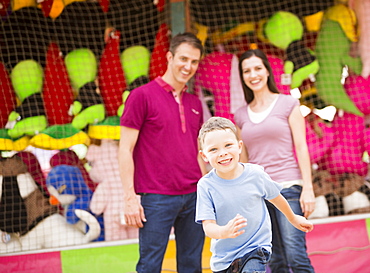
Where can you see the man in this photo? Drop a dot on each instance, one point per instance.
(159, 160)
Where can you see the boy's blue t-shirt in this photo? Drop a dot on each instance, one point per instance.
(221, 200)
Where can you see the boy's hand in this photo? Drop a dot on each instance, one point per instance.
(302, 223)
(234, 227)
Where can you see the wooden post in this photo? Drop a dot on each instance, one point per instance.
(179, 16)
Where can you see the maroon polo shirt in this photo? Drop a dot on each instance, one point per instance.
(165, 154)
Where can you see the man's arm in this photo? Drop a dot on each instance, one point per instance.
(297, 221)
(134, 213)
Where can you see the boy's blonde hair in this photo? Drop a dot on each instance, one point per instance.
(216, 123)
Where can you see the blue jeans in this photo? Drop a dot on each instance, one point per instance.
(163, 212)
(289, 251)
(253, 262)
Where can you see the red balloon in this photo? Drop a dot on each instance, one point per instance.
(46, 6)
(57, 92)
(104, 4)
(4, 4)
(112, 81)
(7, 96)
(158, 64)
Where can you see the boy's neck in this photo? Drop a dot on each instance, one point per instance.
(231, 174)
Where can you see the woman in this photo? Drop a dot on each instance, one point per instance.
(273, 131)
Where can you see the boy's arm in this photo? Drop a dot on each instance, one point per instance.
(231, 230)
(297, 221)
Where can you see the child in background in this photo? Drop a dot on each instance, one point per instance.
(231, 202)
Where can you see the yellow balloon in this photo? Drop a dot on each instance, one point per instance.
(56, 9)
(346, 18)
(67, 2)
(313, 21)
(18, 4)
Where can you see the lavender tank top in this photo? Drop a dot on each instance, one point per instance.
(270, 142)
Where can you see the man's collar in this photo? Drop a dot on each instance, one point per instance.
(166, 86)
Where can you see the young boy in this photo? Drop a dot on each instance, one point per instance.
(233, 193)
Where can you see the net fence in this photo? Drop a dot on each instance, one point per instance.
(68, 66)
(317, 53)
(66, 70)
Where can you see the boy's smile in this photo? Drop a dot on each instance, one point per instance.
(222, 150)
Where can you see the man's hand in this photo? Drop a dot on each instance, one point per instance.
(134, 212)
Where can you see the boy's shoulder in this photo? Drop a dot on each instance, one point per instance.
(206, 177)
(249, 168)
(253, 167)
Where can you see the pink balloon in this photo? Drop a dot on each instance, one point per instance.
(213, 74)
(345, 156)
(358, 89)
(318, 142)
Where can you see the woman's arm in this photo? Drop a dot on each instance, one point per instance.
(297, 126)
(244, 153)
(297, 221)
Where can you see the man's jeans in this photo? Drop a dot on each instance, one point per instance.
(288, 243)
(163, 212)
(253, 262)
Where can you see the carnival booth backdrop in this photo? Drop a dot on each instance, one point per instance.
(67, 68)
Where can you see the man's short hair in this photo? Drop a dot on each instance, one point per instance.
(188, 38)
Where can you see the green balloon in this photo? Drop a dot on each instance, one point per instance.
(332, 52)
(283, 28)
(27, 78)
(135, 62)
(81, 66)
